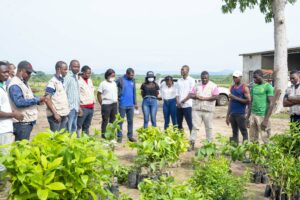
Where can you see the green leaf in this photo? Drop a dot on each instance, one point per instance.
(94, 196)
(42, 194)
(55, 163)
(44, 161)
(50, 177)
(85, 179)
(89, 160)
(79, 170)
(56, 186)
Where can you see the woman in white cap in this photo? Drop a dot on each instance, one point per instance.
(150, 91)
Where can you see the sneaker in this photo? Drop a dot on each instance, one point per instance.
(192, 146)
(132, 139)
(119, 139)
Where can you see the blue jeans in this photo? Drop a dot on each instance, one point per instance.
(54, 126)
(22, 130)
(72, 122)
(170, 110)
(149, 107)
(187, 114)
(84, 122)
(128, 111)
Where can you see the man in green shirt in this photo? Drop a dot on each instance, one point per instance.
(260, 109)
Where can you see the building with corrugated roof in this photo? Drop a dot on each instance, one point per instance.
(265, 60)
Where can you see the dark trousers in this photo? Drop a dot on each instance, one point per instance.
(238, 122)
(169, 110)
(128, 111)
(84, 122)
(187, 114)
(109, 112)
(295, 118)
(57, 126)
(22, 130)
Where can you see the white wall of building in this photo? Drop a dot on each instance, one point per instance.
(250, 64)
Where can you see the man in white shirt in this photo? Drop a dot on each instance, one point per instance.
(6, 113)
(185, 86)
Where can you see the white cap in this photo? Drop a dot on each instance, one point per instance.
(237, 73)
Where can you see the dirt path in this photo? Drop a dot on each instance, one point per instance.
(126, 155)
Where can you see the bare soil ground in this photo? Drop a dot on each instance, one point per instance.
(126, 155)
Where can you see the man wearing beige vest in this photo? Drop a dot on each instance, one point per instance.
(87, 101)
(6, 113)
(205, 95)
(23, 100)
(57, 101)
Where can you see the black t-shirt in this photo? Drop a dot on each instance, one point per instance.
(149, 89)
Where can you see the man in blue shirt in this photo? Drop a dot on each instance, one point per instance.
(127, 102)
(23, 100)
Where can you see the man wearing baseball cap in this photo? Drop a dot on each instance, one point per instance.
(236, 115)
(23, 100)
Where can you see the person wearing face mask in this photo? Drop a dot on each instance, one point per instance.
(292, 97)
(150, 91)
(57, 101)
(87, 101)
(23, 100)
(107, 96)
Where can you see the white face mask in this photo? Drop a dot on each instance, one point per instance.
(150, 79)
(111, 79)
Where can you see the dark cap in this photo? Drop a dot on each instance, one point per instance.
(150, 74)
(26, 65)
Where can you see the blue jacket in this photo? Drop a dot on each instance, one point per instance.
(120, 85)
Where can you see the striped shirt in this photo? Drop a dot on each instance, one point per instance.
(72, 88)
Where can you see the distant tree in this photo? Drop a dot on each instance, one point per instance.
(40, 76)
(273, 10)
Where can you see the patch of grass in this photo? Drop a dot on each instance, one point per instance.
(282, 115)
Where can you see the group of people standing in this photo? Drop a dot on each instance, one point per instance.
(70, 100)
(69, 97)
(182, 99)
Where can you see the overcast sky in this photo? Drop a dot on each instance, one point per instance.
(161, 35)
